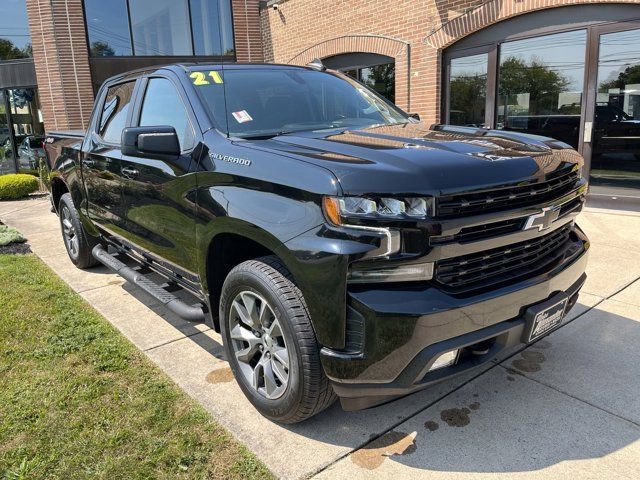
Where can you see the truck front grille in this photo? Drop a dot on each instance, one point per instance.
(506, 197)
(504, 264)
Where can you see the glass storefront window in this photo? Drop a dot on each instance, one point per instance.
(7, 164)
(212, 27)
(21, 131)
(468, 90)
(160, 27)
(616, 132)
(108, 28)
(380, 78)
(540, 85)
(15, 41)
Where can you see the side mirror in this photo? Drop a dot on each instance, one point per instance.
(152, 142)
(415, 116)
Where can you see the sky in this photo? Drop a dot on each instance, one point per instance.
(13, 22)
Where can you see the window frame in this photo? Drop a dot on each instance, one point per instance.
(191, 118)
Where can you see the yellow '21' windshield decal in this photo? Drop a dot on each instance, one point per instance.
(203, 78)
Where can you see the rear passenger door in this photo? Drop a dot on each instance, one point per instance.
(101, 165)
(159, 195)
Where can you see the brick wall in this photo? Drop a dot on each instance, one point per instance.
(61, 60)
(300, 29)
(246, 28)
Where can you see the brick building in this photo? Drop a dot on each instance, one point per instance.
(569, 69)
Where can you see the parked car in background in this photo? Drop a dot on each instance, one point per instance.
(30, 152)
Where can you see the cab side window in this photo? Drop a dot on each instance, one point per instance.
(114, 112)
(162, 107)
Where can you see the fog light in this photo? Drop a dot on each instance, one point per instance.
(445, 360)
(401, 273)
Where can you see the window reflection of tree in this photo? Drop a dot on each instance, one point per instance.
(539, 82)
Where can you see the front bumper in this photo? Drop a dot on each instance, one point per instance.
(404, 328)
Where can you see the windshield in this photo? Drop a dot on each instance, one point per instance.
(267, 102)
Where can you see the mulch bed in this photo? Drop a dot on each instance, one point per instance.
(15, 249)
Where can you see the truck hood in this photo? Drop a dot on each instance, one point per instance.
(412, 159)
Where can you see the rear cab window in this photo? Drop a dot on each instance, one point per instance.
(115, 111)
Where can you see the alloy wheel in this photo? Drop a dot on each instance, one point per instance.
(259, 345)
(69, 232)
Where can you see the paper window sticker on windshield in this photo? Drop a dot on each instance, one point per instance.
(242, 116)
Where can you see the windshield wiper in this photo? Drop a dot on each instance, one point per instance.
(266, 136)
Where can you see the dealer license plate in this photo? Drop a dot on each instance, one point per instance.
(544, 320)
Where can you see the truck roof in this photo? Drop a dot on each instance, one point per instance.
(190, 66)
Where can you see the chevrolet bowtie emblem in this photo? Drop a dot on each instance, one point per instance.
(544, 219)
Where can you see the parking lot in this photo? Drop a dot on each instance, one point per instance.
(567, 406)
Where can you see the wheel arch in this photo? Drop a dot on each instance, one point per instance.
(229, 247)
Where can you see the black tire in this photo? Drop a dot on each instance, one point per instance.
(77, 242)
(307, 391)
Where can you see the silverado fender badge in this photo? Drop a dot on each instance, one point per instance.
(544, 219)
(230, 159)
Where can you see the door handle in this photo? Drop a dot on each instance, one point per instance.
(129, 172)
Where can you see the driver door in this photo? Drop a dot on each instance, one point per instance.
(158, 199)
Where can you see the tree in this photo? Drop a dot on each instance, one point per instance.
(629, 76)
(9, 51)
(101, 49)
(468, 94)
(543, 84)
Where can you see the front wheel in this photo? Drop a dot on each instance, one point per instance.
(270, 343)
(76, 240)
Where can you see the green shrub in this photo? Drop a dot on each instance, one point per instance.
(43, 173)
(17, 185)
(9, 235)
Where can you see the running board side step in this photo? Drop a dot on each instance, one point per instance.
(173, 303)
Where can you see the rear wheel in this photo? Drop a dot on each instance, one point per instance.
(270, 343)
(76, 240)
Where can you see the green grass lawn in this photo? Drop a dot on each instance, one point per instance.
(77, 400)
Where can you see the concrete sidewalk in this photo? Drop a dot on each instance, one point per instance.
(567, 406)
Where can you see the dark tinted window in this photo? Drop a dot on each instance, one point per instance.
(108, 28)
(160, 27)
(162, 106)
(269, 101)
(468, 90)
(381, 78)
(114, 112)
(212, 27)
(540, 85)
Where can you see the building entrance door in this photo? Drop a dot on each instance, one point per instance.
(611, 136)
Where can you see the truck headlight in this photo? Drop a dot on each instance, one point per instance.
(339, 209)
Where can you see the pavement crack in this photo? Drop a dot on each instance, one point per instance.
(168, 342)
(540, 382)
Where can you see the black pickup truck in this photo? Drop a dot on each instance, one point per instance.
(341, 247)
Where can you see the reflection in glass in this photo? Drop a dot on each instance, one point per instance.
(162, 106)
(15, 41)
(28, 128)
(212, 27)
(160, 27)
(115, 111)
(616, 134)
(7, 164)
(380, 78)
(108, 28)
(468, 90)
(540, 85)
